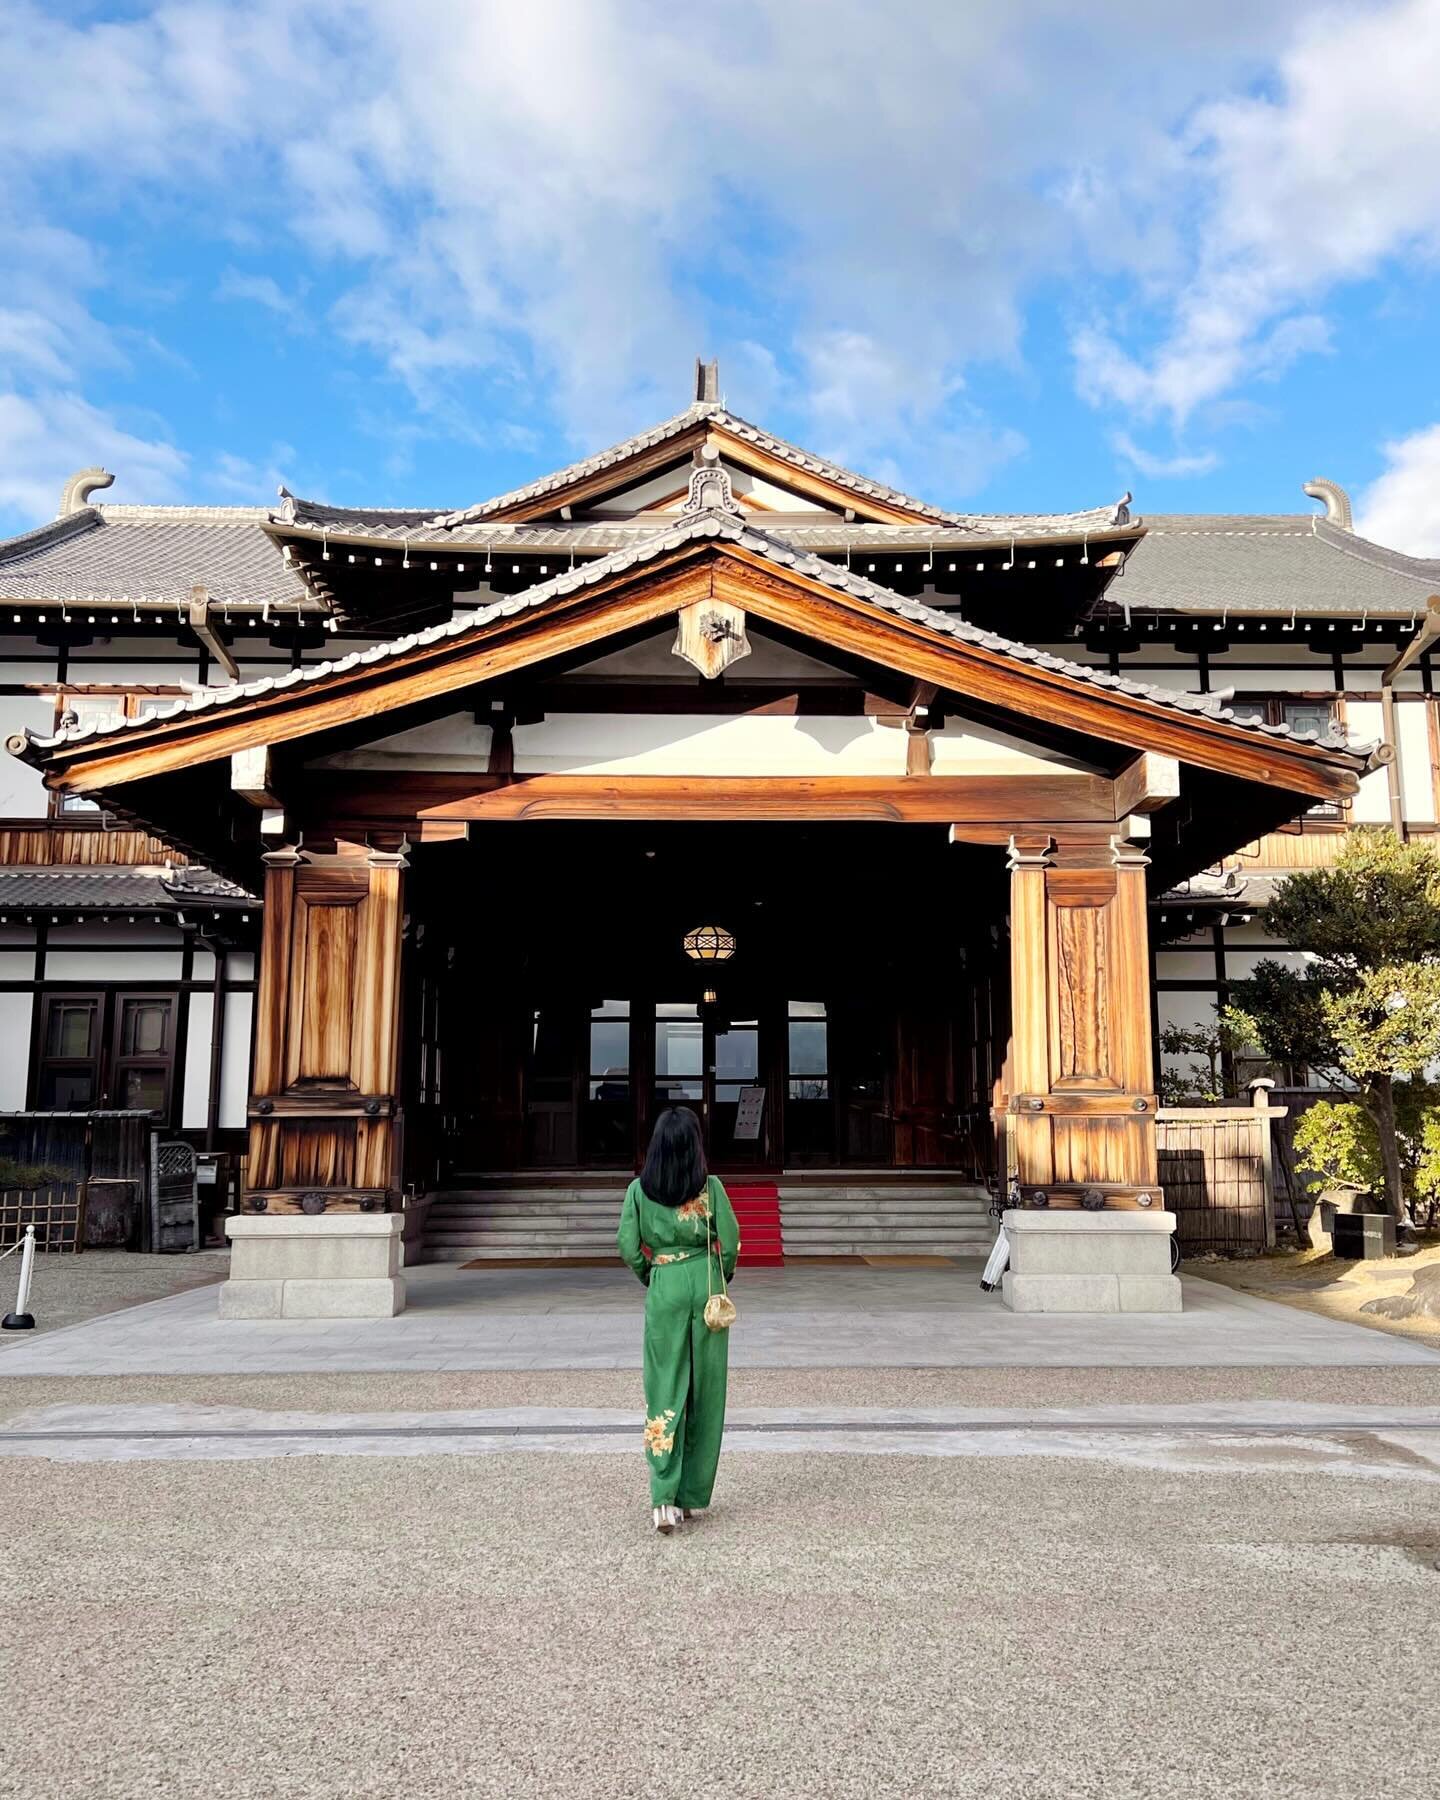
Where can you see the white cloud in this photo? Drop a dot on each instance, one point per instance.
(576, 196)
(1319, 179)
(259, 290)
(46, 437)
(568, 200)
(1401, 507)
(1162, 468)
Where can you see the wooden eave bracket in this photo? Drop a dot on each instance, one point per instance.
(203, 627)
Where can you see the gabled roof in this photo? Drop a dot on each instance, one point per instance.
(720, 528)
(709, 416)
(150, 556)
(597, 537)
(1276, 564)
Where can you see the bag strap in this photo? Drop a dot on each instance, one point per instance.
(709, 1236)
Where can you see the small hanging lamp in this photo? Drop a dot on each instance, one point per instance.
(709, 943)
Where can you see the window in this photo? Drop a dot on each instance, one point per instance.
(809, 1115)
(1313, 717)
(607, 1128)
(106, 1049)
(69, 1072)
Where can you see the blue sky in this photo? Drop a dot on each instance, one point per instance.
(1002, 255)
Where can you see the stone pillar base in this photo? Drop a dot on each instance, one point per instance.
(1100, 1262)
(330, 1266)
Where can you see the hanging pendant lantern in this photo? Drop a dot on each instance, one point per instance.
(709, 943)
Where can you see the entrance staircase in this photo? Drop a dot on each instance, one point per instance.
(547, 1216)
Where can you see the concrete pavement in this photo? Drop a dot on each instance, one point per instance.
(533, 1319)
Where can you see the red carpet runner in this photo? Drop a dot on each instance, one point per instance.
(757, 1208)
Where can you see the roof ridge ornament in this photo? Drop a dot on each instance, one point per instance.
(1337, 502)
(707, 382)
(75, 496)
(710, 489)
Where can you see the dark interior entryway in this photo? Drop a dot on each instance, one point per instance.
(844, 1012)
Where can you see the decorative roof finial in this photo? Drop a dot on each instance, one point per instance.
(707, 382)
(78, 489)
(1337, 503)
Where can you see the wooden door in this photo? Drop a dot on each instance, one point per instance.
(1080, 1100)
(324, 1117)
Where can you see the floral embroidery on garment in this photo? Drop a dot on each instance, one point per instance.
(696, 1211)
(659, 1438)
(669, 1259)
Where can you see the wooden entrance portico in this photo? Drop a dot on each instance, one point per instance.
(660, 686)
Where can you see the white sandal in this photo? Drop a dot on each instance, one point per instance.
(665, 1518)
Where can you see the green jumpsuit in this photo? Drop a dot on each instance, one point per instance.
(685, 1362)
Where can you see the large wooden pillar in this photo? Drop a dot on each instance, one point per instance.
(1080, 1090)
(323, 1114)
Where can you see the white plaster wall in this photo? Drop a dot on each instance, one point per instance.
(240, 965)
(22, 792)
(235, 1061)
(1364, 724)
(102, 965)
(17, 965)
(1412, 727)
(702, 744)
(1184, 965)
(1184, 678)
(962, 748)
(177, 671)
(698, 744)
(1240, 964)
(767, 661)
(195, 1098)
(95, 935)
(15, 1016)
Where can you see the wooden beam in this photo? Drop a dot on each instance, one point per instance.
(1146, 784)
(251, 779)
(352, 801)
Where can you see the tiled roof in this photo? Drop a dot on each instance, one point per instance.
(592, 537)
(150, 556)
(709, 412)
(712, 525)
(1269, 563)
(122, 890)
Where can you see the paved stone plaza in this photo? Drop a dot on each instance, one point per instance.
(861, 1317)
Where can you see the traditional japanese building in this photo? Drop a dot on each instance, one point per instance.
(703, 770)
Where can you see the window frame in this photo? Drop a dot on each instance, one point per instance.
(107, 1063)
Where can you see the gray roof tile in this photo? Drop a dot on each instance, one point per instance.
(115, 890)
(150, 556)
(1269, 563)
(702, 525)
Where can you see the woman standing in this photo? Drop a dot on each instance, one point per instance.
(683, 1216)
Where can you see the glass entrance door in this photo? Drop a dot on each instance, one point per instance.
(714, 1066)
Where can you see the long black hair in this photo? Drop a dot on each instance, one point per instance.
(675, 1168)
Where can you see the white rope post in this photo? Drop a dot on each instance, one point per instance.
(20, 1319)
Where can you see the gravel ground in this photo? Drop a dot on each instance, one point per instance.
(869, 1625)
(67, 1289)
(467, 1390)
